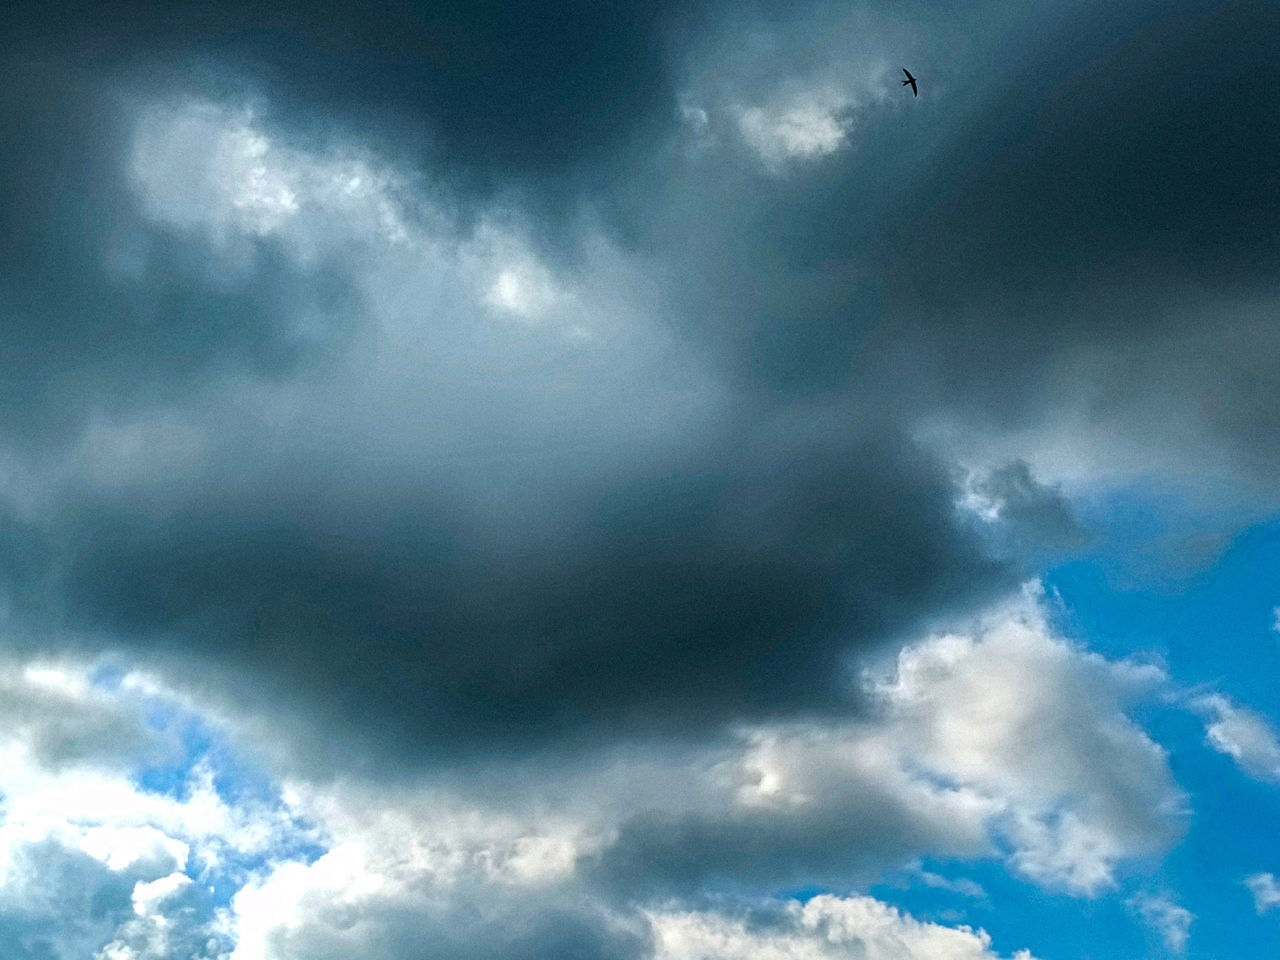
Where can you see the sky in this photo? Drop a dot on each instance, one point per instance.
(630, 481)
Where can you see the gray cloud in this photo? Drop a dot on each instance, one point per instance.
(341, 441)
(524, 419)
(731, 590)
(510, 504)
(592, 853)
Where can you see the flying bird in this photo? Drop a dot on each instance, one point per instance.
(911, 80)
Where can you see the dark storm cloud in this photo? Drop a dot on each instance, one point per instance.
(1037, 204)
(680, 856)
(1107, 192)
(495, 85)
(731, 588)
(1081, 186)
(102, 309)
(1019, 213)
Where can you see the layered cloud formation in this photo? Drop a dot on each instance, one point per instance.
(557, 480)
(164, 836)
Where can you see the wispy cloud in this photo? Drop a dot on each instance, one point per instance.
(1245, 736)
(1172, 921)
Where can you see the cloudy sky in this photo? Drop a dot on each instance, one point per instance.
(628, 481)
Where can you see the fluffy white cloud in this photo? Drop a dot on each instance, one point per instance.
(1009, 729)
(92, 861)
(1171, 921)
(1243, 735)
(1265, 889)
(824, 927)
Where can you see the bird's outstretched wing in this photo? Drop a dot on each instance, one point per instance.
(909, 76)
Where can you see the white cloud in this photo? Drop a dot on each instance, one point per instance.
(1243, 735)
(1171, 921)
(148, 896)
(791, 98)
(804, 126)
(218, 172)
(1037, 730)
(79, 831)
(455, 866)
(960, 885)
(121, 848)
(824, 928)
(1265, 889)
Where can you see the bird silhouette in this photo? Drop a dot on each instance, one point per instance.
(910, 80)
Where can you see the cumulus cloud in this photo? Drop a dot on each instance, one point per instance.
(112, 846)
(824, 927)
(608, 853)
(1005, 741)
(1021, 717)
(1243, 735)
(407, 394)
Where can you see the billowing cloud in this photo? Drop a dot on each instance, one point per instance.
(824, 927)
(549, 459)
(526, 423)
(592, 854)
(562, 439)
(1000, 712)
(120, 845)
